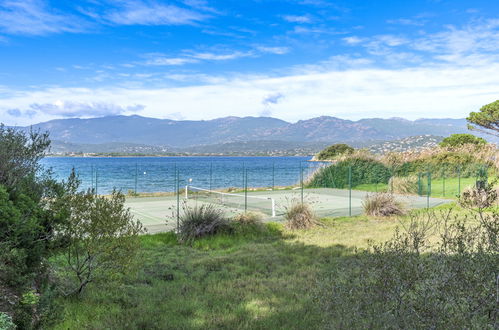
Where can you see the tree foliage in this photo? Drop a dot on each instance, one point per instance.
(486, 120)
(100, 233)
(335, 150)
(457, 140)
(27, 225)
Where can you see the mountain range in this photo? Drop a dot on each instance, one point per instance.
(132, 134)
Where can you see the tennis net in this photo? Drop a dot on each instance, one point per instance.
(238, 201)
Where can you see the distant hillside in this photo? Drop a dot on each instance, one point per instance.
(410, 143)
(165, 133)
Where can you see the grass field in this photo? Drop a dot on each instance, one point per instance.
(252, 280)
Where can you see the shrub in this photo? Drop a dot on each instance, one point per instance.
(382, 204)
(200, 221)
(299, 216)
(457, 140)
(403, 185)
(440, 272)
(364, 171)
(249, 218)
(101, 236)
(335, 150)
(478, 197)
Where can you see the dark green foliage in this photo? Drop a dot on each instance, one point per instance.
(486, 120)
(26, 222)
(364, 171)
(413, 282)
(200, 221)
(335, 150)
(457, 140)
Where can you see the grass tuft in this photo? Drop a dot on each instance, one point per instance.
(300, 216)
(201, 221)
(382, 204)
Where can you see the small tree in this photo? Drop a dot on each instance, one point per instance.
(486, 120)
(457, 140)
(334, 151)
(101, 235)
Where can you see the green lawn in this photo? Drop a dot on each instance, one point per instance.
(252, 280)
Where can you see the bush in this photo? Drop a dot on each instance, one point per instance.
(440, 272)
(403, 185)
(335, 150)
(101, 236)
(249, 218)
(478, 197)
(364, 171)
(200, 221)
(382, 204)
(299, 216)
(457, 140)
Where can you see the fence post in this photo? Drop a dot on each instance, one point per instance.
(420, 188)
(391, 179)
(350, 190)
(211, 174)
(459, 180)
(273, 175)
(244, 173)
(246, 191)
(96, 178)
(174, 176)
(92, 177)
(443, 182)
(136, 176)
(177, 185)
(429, 191)
(301, 181)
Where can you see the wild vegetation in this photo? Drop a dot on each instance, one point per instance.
(74, 260)
(41, 220)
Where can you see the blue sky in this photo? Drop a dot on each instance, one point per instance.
(291, 59)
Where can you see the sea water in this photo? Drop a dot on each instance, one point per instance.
(158, 174)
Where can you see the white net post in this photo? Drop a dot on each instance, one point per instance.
(273, 207)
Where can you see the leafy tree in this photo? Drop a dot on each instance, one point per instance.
(101, 235)
(456, 140)
(26, 222)
(486, 120)
(334, 151)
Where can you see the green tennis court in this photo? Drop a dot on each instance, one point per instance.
(159, 213)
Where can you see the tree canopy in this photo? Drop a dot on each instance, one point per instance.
(456, 140)
(334, 151)
(486, 120)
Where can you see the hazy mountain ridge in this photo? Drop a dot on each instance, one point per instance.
(168, 133)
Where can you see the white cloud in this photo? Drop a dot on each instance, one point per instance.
(82, 109)
(353, 40)
(33, 17)
(168, 61)
(406, 21)
(221, 57)
(140, 13)
(274, 50)
(297, 19)
(429, 91)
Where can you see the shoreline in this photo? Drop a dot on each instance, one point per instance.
(172, 156)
